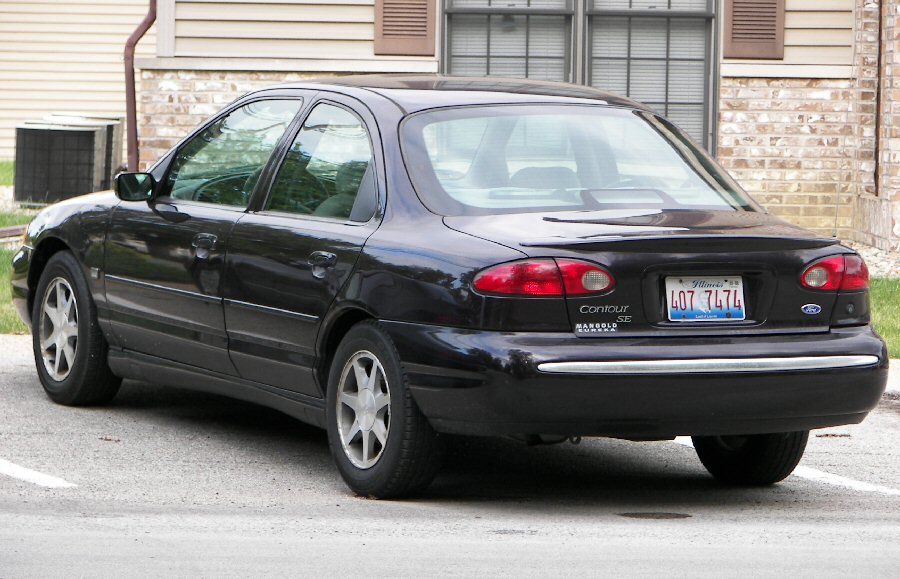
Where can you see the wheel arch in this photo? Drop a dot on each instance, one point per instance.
(332, 333)
(47, 248)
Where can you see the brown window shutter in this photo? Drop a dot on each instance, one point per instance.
(405, 27)
(754, 29)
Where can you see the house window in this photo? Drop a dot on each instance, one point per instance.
(658, 52)
(518, 38)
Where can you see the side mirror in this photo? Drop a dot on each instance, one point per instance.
(135, 186)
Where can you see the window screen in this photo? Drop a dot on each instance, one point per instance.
(654, 51)
(515, 38)
(657, 55)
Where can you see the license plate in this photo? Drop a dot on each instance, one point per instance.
(704, 299)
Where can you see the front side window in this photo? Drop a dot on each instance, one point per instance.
(223, 162)
(328, 166)
(489, 160)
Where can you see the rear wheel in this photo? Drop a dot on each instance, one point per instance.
(383, 446)
(69, 349)
(752, 460)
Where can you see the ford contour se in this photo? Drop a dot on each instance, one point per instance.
(396, 258)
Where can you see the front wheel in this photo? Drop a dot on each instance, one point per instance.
(752, 460)
(69, 349)
(382, 444)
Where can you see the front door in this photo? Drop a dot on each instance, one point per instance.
(164, 259)
(287, 262)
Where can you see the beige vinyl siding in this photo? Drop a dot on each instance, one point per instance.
(286, 29)
(63, 56)
(818, 42)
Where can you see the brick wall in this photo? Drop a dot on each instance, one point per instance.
(807, 148)
(877, 212)
(886, 209)
(794, 144)
(172, 103)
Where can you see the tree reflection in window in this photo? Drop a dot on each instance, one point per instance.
(222, 164)
(325, 167)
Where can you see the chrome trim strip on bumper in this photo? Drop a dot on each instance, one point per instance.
(708, 365)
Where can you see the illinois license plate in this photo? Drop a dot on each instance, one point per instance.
(707, 298)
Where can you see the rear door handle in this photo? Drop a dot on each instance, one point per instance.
(322, 259)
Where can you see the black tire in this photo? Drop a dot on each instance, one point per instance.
(85, 379)
(410, 455)
(753, 460)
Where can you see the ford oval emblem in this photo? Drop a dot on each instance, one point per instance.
(811, 309)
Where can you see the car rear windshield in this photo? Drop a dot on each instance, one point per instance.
(487, 160)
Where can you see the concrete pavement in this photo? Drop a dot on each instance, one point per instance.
(166, 482)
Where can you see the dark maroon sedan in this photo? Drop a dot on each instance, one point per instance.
(392, 258)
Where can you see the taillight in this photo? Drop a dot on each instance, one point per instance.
(544, 278)
(856, 274)
(841, 272)
(535, 277)
(582, 278)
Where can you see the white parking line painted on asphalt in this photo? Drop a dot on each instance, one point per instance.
(33, 476)
(822, 476)
(842, 481)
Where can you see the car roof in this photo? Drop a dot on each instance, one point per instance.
(418, 92)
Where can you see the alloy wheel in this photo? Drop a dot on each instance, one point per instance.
(59, 329)
(363, 409)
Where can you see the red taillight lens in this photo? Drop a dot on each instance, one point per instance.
(856, 274)
(843, 272)
(544, 278)
(535, 277)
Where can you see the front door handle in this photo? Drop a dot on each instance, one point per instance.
(320, 261)
(203, 243)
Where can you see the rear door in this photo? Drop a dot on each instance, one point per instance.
(287, 261)
(164, 259)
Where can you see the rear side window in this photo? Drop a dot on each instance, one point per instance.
(485, 160)
(328, 167)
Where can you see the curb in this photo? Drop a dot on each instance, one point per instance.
(893, 385)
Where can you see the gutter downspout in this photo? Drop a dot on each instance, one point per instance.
(130, 96)
(879, 85)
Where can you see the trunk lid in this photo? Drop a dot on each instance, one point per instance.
(642, 248)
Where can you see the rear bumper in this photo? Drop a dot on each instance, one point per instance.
(493, 383)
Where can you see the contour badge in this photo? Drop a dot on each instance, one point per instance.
(811, 309)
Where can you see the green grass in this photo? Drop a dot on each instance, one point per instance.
(9, 317)
(15, 218)
(7, 173)
(886, 312)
